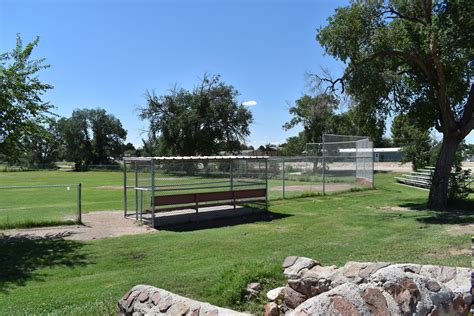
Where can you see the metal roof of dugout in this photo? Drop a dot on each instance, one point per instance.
(193, 158)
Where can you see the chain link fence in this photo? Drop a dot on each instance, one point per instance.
(40, 205)
(339, 163)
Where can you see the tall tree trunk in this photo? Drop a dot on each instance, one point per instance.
(438, 198)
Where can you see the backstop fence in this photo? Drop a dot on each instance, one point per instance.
(40, 205)
(339, 163)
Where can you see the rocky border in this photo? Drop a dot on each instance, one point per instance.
(357, 288)
(366, 288)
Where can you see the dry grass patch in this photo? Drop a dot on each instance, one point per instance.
(461, 229)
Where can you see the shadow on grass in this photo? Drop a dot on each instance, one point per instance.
(22, 255)
(225, 222)
(32, 224)
(459, 212)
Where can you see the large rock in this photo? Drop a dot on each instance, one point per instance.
(271, 309)
(149, 300)
(293, 267)
(342, 300)
(376, 302)
(396, 297)
(276, 294)
(375, 288)
(293, 298)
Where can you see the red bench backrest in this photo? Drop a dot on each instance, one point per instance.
(207, 196)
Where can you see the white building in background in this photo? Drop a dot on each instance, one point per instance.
(380, 154)
(388, 154)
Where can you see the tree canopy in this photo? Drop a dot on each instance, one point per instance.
(203, 121)
(318, 115)
(315, 114)
(411, 57)
(92, 136)
(22, 109)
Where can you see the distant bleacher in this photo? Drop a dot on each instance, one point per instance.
(420, 178)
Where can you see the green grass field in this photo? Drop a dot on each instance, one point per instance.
(215, 263)
(100, 191)
(35, 206)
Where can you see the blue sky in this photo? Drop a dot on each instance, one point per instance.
(107, 53)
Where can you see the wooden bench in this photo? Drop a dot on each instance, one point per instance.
(221, 198)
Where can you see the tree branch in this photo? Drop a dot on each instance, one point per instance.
(408, 57)
(399, 15)
(442, 87)
(332, 83)
(427, 10)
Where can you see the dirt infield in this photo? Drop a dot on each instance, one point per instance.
(330, 187)
(97, 225)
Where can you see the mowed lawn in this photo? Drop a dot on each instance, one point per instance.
(93, 197)
(215, 263)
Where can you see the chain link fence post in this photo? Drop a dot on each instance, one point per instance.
(79, 203)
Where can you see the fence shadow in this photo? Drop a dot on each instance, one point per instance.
(225, 222)
(22, 255)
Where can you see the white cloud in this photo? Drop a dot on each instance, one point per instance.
(249, 103)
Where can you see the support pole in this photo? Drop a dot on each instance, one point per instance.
(373, 166)
(356, 162)
(141, 206)
(152, 193)
(124, 188)
(231, 166)
(266, 183)
(136, 192)
(79, 203)
(283, 175)
(323, 164)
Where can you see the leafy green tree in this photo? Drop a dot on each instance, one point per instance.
(149, 147)
(294, 146)
(91, 136)
(43, 148)
(416, 144)
(412, 57)
(76, 140)
(203, 121)
(129, 150)
(315, 114)
(318, 116)
(352, 122)
(22, 109)
(108, 136)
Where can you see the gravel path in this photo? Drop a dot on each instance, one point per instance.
(97, 225)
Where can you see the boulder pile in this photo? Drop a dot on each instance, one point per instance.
(370, 288)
